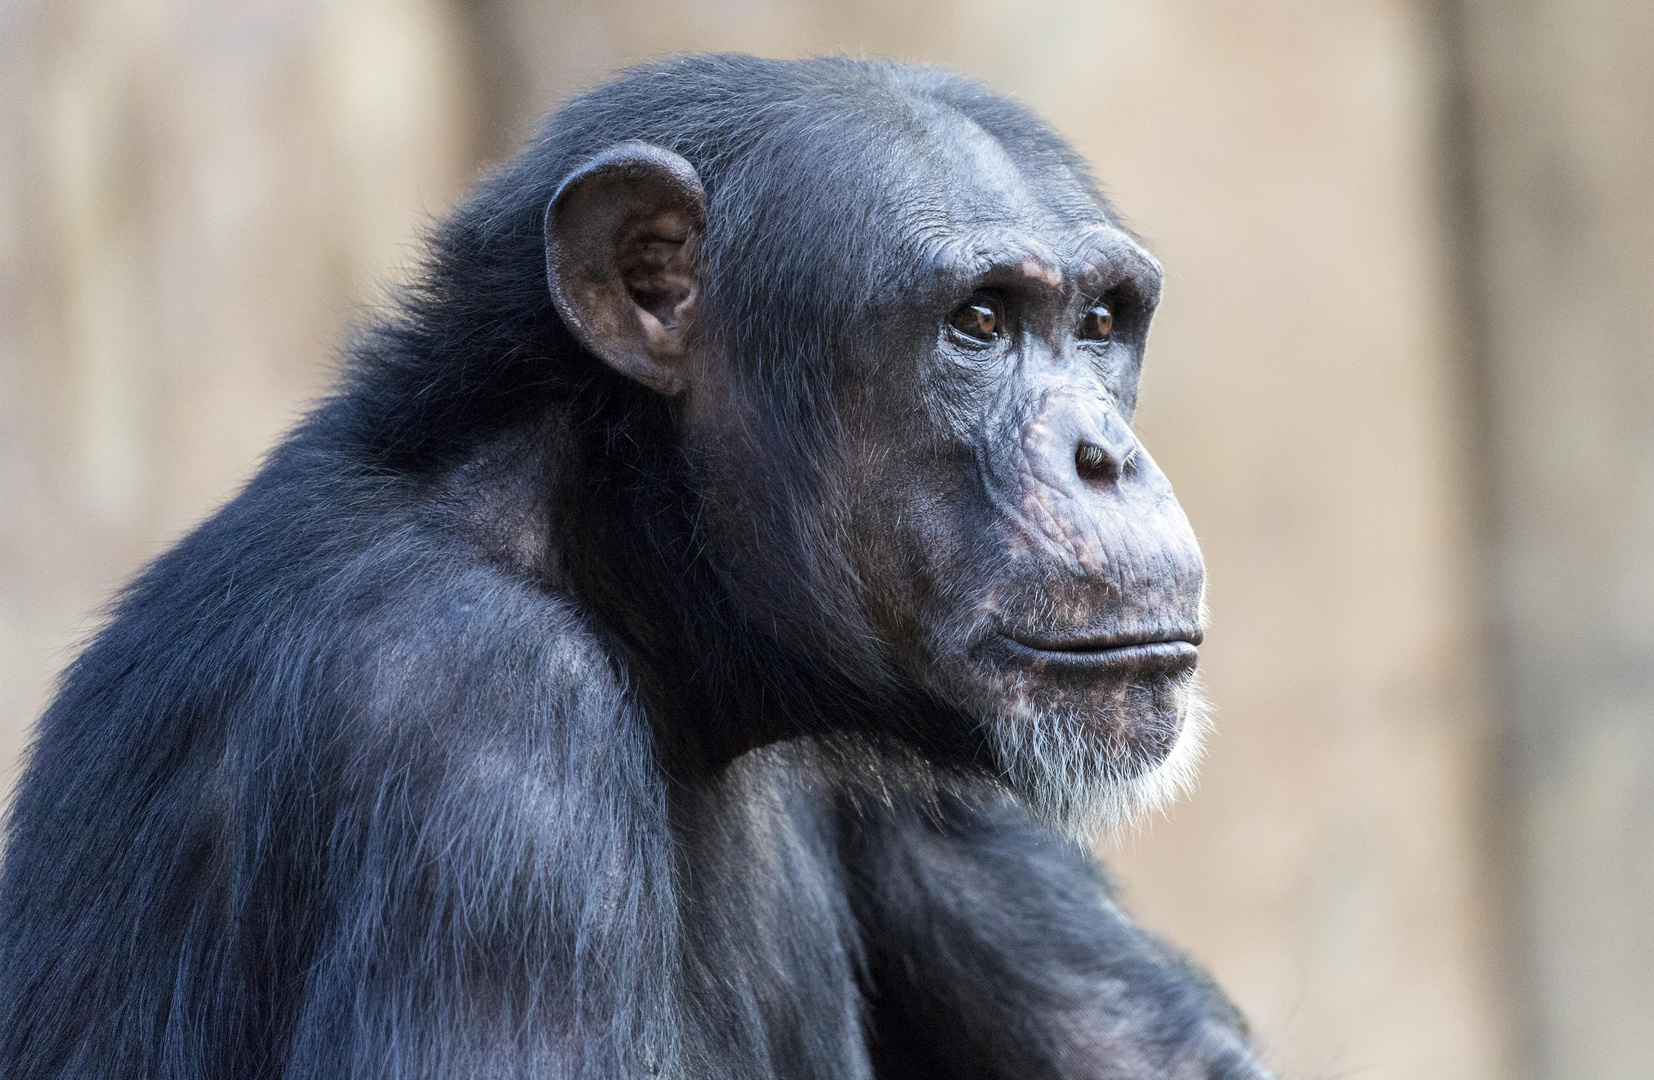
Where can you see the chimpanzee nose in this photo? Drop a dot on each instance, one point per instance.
(1089, 495)
(1080, 447)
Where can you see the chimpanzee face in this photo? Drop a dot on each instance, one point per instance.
(1050, 583)
(980, 520)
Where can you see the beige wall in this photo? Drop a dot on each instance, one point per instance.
(194, 195)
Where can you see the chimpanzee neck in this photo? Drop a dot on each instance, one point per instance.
(624, 543)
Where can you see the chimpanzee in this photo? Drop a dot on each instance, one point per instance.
(688, 644)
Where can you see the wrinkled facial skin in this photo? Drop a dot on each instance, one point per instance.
(1019, 549)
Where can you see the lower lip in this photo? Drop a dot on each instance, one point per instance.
(1146, 658)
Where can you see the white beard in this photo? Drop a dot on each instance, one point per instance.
(1083, 785)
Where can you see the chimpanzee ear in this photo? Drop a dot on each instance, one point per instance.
(620, 258)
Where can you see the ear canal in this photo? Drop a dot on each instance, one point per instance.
(620, 260)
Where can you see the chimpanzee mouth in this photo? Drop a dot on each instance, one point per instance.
(1166, 654)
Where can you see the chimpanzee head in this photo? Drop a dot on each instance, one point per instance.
(901, 331)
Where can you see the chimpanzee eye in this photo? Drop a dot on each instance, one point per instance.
(1096, 324)
(976, 319)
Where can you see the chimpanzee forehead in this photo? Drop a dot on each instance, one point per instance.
(960, 195)
(984, 182)
(892, 182)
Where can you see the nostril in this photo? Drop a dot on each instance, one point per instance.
(1092, 462)
(1099, 464)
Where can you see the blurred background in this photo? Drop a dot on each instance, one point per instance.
(1403, 380)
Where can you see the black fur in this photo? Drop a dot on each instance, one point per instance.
(444, 750)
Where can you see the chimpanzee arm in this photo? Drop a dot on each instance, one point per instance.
(996, 950)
